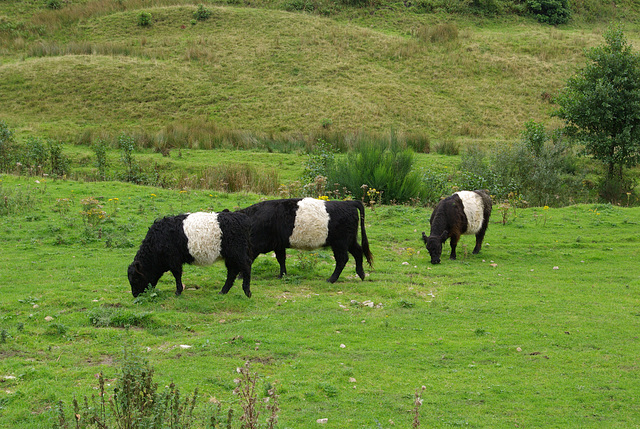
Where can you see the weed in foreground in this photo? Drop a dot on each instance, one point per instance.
(137, 402)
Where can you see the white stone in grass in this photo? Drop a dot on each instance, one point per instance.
(184, 346)
(342, 346)
(48, 319)
(322, 421)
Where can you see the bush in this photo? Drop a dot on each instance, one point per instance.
(54, 4)
(202, 13)
(58, 162)
(435, 185)
(36, 155)
(320, 161)
(554, 12)
(381, 166)
(144, 19)
(100, 150)
(540, 167)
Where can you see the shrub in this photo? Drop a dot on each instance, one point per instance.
(435, 185)
(54, 4)
(382, 166)
(144, 19)
(202, 13)
(100, 150)
(554, 12)
(58, 162)
(133, 172)
(320, 161)
(540, 167)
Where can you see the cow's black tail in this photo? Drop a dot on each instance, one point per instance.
(365, 241)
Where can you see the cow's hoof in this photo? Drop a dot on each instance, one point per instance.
(222, 293)
(248, 293)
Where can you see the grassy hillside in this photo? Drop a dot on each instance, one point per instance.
(538, 330)
(90, 67)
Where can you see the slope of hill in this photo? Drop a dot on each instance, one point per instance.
(267, 70)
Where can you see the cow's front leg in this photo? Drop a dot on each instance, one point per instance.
(281, 257)
(177, 274)
(454, 243)
(341, 256)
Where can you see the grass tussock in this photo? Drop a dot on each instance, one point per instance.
(234, 178)
(119, 318)
(441, 33)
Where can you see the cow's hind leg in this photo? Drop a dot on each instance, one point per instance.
(177, 274)
(341, 256)
(479, 238)
(281, 257)
(232, 273)
(356, 250)
(245, 271)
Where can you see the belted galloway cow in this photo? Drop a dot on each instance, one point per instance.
(465, 212)
(193, 238)
(307, 224)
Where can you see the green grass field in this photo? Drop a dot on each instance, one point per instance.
(538, 330)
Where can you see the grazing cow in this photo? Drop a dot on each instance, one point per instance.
(465, 212)
(193, 238)
(309, 224)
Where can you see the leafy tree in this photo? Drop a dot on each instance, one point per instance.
(601, 105)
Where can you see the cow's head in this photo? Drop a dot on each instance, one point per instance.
(434, 245)
(137, 279)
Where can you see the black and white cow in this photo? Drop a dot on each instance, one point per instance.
(193, 238)
(309, 224)
(465, 212)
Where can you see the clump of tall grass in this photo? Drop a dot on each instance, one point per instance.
(51, 49)
(234, 178)
(441, 33)
(447, 146)
(119, 318)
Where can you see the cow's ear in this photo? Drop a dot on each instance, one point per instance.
(137, 266)
(444, 236)
(424, 237)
